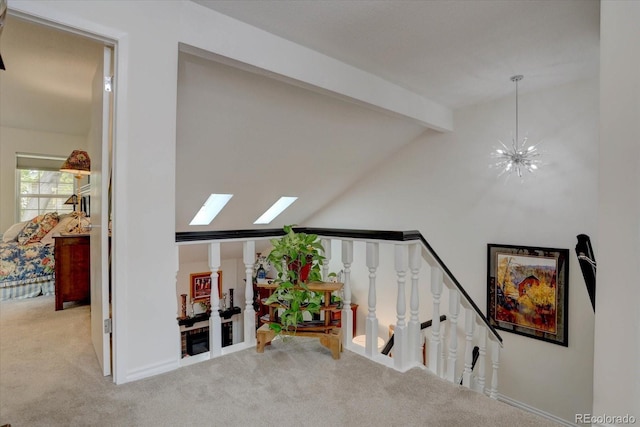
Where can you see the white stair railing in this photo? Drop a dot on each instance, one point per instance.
(410, 254)
(371, 328)
(347, 314)
(215, 322)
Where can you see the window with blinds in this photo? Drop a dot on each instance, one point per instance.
(41, 187)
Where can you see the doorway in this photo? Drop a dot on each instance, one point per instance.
(47, 67)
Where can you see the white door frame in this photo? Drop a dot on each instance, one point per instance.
(47, 15)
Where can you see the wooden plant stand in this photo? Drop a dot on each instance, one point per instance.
(326, 330)
(331, 339)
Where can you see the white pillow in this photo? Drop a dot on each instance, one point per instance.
(61, 227)
(11, 235)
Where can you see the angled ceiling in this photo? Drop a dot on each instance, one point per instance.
(47, 82)
(454, 52)
(260, 139)
(238, 131)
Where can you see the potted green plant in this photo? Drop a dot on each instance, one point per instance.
(297, 258)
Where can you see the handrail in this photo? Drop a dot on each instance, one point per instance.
(460, 288)
(386, 235)
(424, 325)
(194, 236)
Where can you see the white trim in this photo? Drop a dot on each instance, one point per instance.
(192, 360)
(533, 410)
(152, 370)
(206, 356)
(47, 14)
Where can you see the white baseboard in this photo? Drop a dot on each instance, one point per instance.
(192, 360)
(151, 370)
(536, 411)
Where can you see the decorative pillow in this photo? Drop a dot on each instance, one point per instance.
(61, 227)
(11, 235)
(37, 228)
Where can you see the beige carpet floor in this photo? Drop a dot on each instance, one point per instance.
(49, 376)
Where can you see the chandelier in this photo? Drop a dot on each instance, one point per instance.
(519, 157)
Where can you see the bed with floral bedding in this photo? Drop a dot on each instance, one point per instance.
(26, 256)
(26, 270)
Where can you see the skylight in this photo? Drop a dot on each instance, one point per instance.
(210, 209)
(275, 210)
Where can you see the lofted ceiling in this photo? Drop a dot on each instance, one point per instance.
(454, 52)
(238, 131)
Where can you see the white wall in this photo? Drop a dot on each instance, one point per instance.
(145, 262)
(443, 189)
(617, 331)
(14, 141)
(441, 185)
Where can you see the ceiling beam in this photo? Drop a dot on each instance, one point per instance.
(212, 35)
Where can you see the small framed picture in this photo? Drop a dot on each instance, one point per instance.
(527, 291)
(201, 286)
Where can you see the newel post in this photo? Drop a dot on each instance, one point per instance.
(215, 323)
(248, 257)
(495, 361)
(347, 314)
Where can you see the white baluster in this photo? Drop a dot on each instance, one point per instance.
(442, 367)
(435, 342)
(482, 347)
(495, 361)
(469, 323)
(326, 245)
(400, 333)
(415, 338)
(347, 315)
(215, 323)
(248, 257)
(177, 270)
(454, 310)
(371, 343)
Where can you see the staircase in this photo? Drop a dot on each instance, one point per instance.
(417, 274)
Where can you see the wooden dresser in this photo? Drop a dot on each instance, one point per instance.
(72, 257)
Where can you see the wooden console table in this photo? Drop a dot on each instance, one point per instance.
(327, 330)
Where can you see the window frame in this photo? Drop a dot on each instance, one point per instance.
(19, 196)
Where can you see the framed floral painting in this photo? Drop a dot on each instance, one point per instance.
(527, 291)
